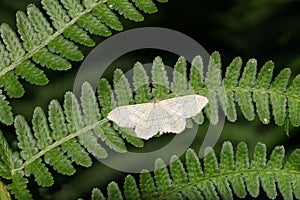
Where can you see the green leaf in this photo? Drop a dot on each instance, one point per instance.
(146, 5)
(106, 97)
(6, 115)
(178, 173)
(113, 192)
(77, 34)
(160, 82)
(97, 195)
(89, 104)
(227, 158)
(105, 14)
(190, 183)
(179, 85)
(125, 8)
(75, 122)
(25, 29)
(258, 162)
(196, 83)
(293, 165)
(65, 48)
(227, 97)
(59, 162)
(26, 142)
(141, 84)
(39, 22)
(4, 56)
(278, 101)
(130, 136)
(213, 81)
(122, 88)
(130, 188)
(91, 116)
(112, 138)
(244, 96)
(11, 85)
(32, 74)
(18, 187)
(77, 153)
(72, 147)
(260, 97)
(90, 142)
(9, 160)
(89, 3)
(12, 42)
(180, 179)
(193, 166)
(211, 169)
(294, 101)
(52, 61)
(56, 12)
(41, 173)
(196, 74)
(91, 24)
(147, 186)
(72, 6)
(42, 133)
(162, 178)
(41, 128)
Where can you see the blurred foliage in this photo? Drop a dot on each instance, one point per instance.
(263, 29)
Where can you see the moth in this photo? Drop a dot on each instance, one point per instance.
(164, 116)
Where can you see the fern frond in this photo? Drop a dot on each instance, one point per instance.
(40, 42)
(235, 174)
(70, 133)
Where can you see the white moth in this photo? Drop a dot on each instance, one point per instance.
(168, 115)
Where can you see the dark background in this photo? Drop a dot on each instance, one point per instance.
(261, 29)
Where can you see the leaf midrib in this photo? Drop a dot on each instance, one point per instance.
(254, 90)
(94, 125)
(58, 143)
(228, 174)
(58, 32)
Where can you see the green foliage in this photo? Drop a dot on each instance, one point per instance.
(235, 174)
(122, 88)
(40, 42)
(97, 194)
(141, 84)
(68, 134)
(160, 82)
(180, 82)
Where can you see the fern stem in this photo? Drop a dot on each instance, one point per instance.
(250, 90)
(29, 54)
(58, 143)
(195, 183)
